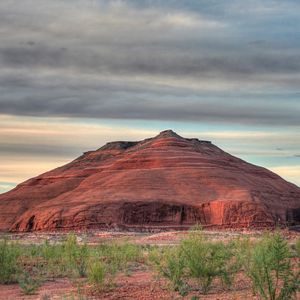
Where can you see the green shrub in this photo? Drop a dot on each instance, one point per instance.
(297, 248)
(270, 269)
(46, 297)
(28, 283)
(118, 255)
(99, 276)
(170, 264)
(52, 259)
(50, 252)
(206, 260)
(242, 251)
(76, 256)
(198, 259)
(9, 267)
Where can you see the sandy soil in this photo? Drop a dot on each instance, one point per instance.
(141, 284)
(54, 289)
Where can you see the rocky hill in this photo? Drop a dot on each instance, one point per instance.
(159, 183)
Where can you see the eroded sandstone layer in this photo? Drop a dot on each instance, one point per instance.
(163, 182)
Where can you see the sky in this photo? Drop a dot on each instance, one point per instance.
(76, 74)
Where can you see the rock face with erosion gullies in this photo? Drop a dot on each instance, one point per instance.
(165, 182)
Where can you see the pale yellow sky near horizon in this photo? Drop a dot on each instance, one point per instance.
(31, 146)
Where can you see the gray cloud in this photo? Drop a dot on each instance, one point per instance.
(151, 60)
(119, 104)
(33, 56)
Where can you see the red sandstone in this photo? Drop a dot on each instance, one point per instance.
(163, 182)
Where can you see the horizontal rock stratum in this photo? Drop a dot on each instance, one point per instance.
(163, 182)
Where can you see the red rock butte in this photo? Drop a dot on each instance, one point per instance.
(165, 182)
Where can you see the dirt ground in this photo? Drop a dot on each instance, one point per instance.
(141, 283)
(142, 238)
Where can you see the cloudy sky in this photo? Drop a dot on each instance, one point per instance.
(75, 74)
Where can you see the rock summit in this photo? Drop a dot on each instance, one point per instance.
(165, 182)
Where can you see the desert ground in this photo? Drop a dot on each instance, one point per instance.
(139, 280)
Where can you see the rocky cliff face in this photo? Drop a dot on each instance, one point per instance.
(163, 182)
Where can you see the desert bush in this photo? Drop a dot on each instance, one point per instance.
(297, 248)
(50, 252)
(59, 259)
(170, 264)
(76, 256)
(196, 258)
(99, 275)
(242, 251)
(9, 266)
(29, 283)
(118, 255)
(52, 255)
(45, 297)
(206, 260)
(270, 269)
